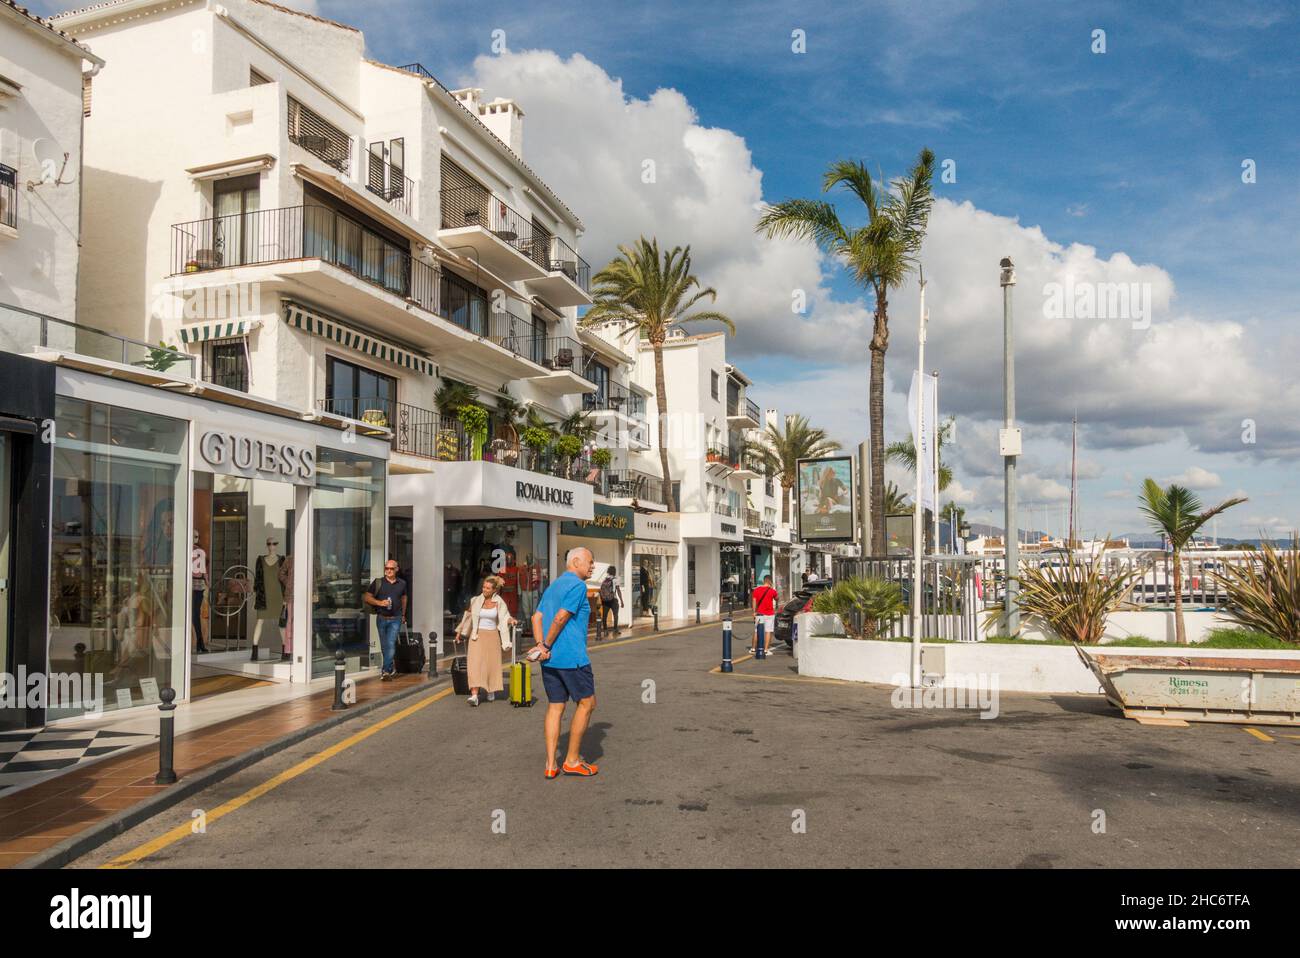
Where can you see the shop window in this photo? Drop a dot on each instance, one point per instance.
(516, 550)
(118, 569)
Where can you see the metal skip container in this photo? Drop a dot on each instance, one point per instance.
(1253, 691)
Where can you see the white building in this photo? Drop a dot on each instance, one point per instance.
(346, 237)
(42, 71)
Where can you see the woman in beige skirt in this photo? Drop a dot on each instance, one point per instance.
(486, 624)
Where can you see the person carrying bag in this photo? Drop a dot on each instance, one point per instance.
(486, 628)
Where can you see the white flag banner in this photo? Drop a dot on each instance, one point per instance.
(924, 438)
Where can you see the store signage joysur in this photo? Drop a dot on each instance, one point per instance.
(245, 454)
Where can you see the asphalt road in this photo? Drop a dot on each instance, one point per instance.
(723, 770)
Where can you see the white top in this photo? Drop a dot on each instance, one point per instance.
(487, 618)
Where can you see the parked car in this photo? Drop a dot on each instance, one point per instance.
(801, 601)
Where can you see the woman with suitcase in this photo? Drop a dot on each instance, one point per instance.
(486, 625)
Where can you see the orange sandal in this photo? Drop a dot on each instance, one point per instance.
(551, 772)
(585, 769)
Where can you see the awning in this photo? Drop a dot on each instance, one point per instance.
(310, 321)
(232, 329)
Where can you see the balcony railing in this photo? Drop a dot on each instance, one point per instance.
(562, 258)
(751, 409)
(319, 137)
(612, 397)
(631, 484)
(304, 232)
(727, 456)
(472, 206)
(390, 183)
(8, 196)
(22, 330)
(752, 518)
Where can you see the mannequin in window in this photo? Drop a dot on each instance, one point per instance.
(286, 587)
(268, 594)
(198, 586)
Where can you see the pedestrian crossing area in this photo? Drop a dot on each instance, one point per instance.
(27, 757)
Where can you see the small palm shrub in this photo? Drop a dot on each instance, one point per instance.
(1073, 599)
(1264, 595)
(869, 601)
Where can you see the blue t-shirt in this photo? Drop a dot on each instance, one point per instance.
(570, 648)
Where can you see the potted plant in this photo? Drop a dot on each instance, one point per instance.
(713, 455)
(868, 601)
(474, 418)
(601, 458)
(567, 448)
(538, 440)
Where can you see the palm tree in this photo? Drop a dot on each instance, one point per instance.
(649, 294)
(895, 500)
(879, 255)
(904, 451)
(1176, 513)
(779, 452)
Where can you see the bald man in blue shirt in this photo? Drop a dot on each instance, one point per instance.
(560, 631)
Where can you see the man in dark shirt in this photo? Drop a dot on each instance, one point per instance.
(388, 596)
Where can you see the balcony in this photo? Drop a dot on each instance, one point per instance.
(568, 278)
(501, 238)
(752, 518)
(299, 236)
(8, 197)
(743, 414)
(22, 331)
(637, 489)
(319, 137)
(561, 357)
(390, 184)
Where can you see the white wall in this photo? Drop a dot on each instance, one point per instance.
(39, 259)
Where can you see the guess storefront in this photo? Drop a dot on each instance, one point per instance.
(180, 534)
(472, 519)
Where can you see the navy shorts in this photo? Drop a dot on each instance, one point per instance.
(564, 684)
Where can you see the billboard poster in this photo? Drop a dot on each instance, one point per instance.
(825, 497)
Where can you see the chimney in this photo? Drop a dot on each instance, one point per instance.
(503, 117)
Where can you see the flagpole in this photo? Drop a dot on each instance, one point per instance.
(935, 451)
(917, 518)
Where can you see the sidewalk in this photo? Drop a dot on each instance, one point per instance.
(35, 819)
(118, 791)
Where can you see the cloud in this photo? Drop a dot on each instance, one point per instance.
(1194, 477)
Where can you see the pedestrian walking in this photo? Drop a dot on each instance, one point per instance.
(486, 626)
(765, 613)
(611, 598)
(560, 631)
(387, 596)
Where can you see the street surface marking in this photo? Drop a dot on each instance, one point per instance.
(141, 852)
(1260, 735)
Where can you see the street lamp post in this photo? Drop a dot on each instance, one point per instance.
(1009, 443)
(917, 517)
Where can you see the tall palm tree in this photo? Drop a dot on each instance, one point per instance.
(780, 449)
(1176, 512)
(879, 255)
(649, 294)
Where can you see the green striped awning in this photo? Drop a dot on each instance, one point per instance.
(310, 321)
(230, 329)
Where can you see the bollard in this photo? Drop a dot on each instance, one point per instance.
(759, 636)
(433, 655)
(726, 644)
(600, 626)
(655, 613)
(697, 613)
(340, 665)
(166, 736)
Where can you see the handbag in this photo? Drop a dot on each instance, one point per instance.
(284, 616)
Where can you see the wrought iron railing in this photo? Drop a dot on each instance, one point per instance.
(22, 330)
(610, 396)
(475, 206)
(632, 484)
(390, 183)
(8, 196)
(562, 258)
(752, 410)
(752, 518)
(304, 232)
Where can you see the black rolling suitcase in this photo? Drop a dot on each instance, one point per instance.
(408, 657)
(460, 674)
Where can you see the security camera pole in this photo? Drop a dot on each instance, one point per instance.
(1009, 443)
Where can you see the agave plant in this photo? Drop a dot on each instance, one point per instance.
(1074, 598)
(870, 601)
(1264, 595)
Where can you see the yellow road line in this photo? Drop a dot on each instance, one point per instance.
(141, 852)
(1260, 735)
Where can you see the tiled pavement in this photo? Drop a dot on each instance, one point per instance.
(36, 818)
(27, 757)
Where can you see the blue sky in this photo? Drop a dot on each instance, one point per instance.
(1136, 153)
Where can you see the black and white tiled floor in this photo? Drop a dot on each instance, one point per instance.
(26, 757)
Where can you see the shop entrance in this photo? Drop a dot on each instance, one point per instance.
(648, 583)
(241, 583)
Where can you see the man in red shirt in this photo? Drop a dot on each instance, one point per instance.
(764, 614)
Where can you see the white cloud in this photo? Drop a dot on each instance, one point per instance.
(1194, 477)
